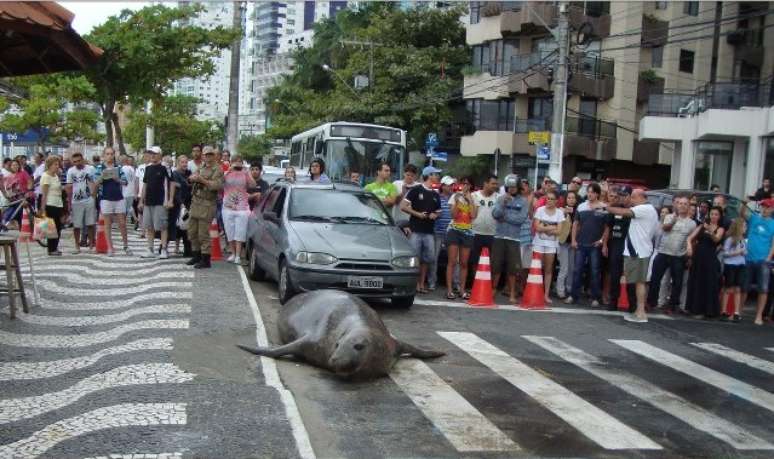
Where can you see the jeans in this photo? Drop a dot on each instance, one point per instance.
(424, 246)
(432, 270)
(566, 262)
(676, 266)
(593, 255)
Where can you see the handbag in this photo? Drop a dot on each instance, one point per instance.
(40, 229)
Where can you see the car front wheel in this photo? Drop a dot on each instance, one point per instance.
(253, 268)
(403, 302)
(285, 285)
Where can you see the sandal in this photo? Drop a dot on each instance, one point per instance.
(421, 291)
(466, 296)
(451, 296)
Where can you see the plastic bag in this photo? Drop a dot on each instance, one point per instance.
(40, 230)
(51, 232)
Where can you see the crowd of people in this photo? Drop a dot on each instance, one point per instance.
(688, 258)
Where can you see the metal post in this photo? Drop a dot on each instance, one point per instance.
(560, 98)
(537, 164)
(497, 162)
(150, 133)
(232, 135)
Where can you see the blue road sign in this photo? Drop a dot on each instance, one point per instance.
(440, 156)
(544, 154)
(432, 140)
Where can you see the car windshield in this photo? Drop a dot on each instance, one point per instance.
(344, 155)
(337, 207)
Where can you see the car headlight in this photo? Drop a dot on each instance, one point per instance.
(315, 258)
(405, 262)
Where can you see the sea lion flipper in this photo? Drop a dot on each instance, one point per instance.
(410, 350)
(274, 352)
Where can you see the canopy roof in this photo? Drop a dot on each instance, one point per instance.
(36, 37)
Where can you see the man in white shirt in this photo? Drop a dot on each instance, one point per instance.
(409, 181)
(639, 247)
(484, 224)
(128, 189)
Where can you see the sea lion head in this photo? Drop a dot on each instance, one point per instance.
(360, 353)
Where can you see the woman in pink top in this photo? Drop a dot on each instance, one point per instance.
(236, 208)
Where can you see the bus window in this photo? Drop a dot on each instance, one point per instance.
(345, 155)
(295, 153)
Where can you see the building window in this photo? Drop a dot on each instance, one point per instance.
(713, 165)
(491, 115)
(597, 9)
(691, 8)
(686, 61)
(540, 108)
(475, 12)
(662, 5)
(495, 56)
(657, 56)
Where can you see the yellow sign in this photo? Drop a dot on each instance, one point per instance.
(543, 137)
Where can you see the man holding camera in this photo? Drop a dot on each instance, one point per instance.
(205, 183)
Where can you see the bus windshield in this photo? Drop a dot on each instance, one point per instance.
(345, 155)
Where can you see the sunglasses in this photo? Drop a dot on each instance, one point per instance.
(577, 182)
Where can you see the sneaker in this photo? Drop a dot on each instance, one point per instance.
(595, 304)
(569, 300)
(110, 252)
(127, 251)
(230, 259)
(737, 318)
(55, 254)
(164, 255)
(635, 319)
(237, 261)
(148, 254)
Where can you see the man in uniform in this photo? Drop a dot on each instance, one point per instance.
(205, 184)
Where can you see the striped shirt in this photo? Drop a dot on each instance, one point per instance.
(444, 218)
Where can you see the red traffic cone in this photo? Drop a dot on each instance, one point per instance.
(481, 295)
(25, 233)
(623, 297)
(730, 305)
(102, 244)
(215, 253)
(534, 295)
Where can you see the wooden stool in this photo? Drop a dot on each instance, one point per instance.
(11, 266)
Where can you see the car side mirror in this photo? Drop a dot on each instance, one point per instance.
(271, 216)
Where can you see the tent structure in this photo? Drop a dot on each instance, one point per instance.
(37, 37)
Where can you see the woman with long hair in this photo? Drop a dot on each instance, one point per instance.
(52, 205)
(545, 242)
(17, 187)
(317, 171)
(459, 237)
(290, 174)
(704, 278)
(566, 253)
(734, 251)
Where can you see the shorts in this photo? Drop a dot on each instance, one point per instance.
(526, 253)
(733, 275)
(112, 207)
(235, 224)
(758, 273)
(129, 203)
(457, 237)
(155, 218)
(636, 269)
(424, 246)
(508, 252)
(83, 214)
(543, 249)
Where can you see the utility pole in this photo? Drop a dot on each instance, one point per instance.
(150, 132)
(232, 135)
(370, 45)
(560, 94)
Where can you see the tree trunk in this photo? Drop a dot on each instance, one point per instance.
(107, 117)
(232, 135)
(119, 135)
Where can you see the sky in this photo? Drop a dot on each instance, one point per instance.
(89, 14)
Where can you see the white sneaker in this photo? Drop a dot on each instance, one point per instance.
(148, 254)
(164, 255)
(237, 261)
(127, 251)
(230, 259)
(635, 319)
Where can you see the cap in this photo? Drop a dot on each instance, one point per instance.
(448, 180)
(625, 190)
(767, 202)
(155, 149)
(511, 180)
(429, 170)
(208, 151)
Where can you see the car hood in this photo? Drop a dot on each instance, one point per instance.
(352, 240)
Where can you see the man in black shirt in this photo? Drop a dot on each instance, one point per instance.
(615, 242)
(764, 192)
(256, 171)
(423, 204)
(155, 201)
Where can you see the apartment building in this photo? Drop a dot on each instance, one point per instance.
(624, 57)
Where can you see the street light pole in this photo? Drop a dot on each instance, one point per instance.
(560, 96)
(328, 69)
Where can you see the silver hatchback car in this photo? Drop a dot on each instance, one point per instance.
(313, 236)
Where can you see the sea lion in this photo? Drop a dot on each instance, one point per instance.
(339, 332)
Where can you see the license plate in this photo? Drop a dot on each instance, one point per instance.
(365, 282)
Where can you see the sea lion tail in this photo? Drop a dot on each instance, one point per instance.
(264, 351)
(410, 350)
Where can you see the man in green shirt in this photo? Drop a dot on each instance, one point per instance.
(382, 187)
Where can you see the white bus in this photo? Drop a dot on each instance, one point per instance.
(346, 147)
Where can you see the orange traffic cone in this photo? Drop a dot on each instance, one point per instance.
(102, 244)
(215, 252)
(534, 295)
(481, 295)
(623, 297)
(730, 305)
(25, 233)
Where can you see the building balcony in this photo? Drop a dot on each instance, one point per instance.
(654, 31)
(648, 85)
(594, 26)
(731, 95)
(488, 85)
(592, 76)
(590, 138)
(499, 19)
(485, 142)
(748, 45)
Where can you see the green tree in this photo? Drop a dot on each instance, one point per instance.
(52, 106)
(176, 128)
(254, 147)
(418, 57)
(145, 52)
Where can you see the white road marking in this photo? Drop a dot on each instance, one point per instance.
(89, 339)
(707, 375)
(16, 409)
(11, 371)
(103, 279)
(271, 376)
(84, 321)
(552, 309)
(770, 349)
(115, 304)
(741, 357)
(124, 262)
(591, 421)
(461, 423)
(141, 456)
(127, 414)
(676, 406)
(148, 271)
(50, 286)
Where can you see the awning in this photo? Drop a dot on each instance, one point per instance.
(36, 37)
